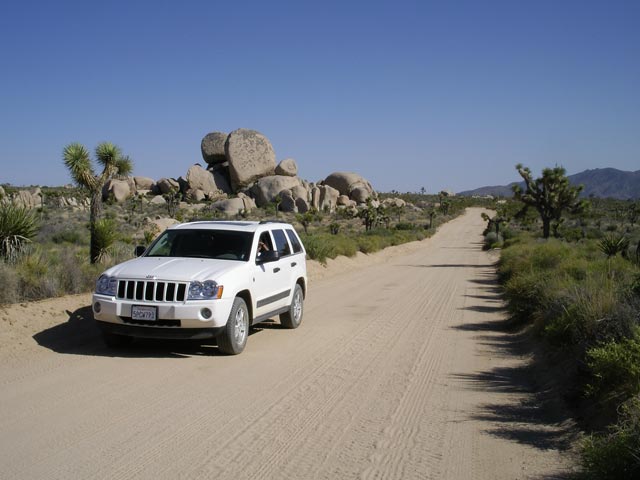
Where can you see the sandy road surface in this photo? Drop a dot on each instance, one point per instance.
(398, 371)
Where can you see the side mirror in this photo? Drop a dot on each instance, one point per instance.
(268, 256)
(139, 250)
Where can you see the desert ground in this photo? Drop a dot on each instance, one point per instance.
(401, 369)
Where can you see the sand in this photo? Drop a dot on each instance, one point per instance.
(401, 369)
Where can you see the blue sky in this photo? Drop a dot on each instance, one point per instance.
(410, 94)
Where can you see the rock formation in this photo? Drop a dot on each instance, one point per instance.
(287, 167)
(212, 148)
(250, 156)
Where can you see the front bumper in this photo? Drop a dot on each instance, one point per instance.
(160, 332)
(174, 320)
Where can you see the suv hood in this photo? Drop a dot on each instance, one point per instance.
(173, 269)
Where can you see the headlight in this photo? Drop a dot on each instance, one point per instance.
(106, 285)
(204, 290)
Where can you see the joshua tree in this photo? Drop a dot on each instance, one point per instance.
(432, 214)
(550, 195)
(305, 219)
(77, 160)
(494, 222)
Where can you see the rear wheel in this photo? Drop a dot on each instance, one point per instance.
(293, 317)
(234, 337)
(116, 341)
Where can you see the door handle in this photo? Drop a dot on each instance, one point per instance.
(293, 264)
(276, 270)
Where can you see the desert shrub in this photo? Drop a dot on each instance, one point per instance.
(370, 243)
(572, 234)
(75, 236)
(615, 368)
(406, 226)
(9, 293)
(316, 248)
(74, 274)
(616, 453)
(18, 225)
(35, 279)
(492, 240)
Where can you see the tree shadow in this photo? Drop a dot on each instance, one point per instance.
(80, 335)
(528, 414)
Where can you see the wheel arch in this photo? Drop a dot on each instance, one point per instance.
(246, 296)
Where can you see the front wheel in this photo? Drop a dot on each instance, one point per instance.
(293, 317)
(234, 337)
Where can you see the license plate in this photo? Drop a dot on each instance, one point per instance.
(138, 312)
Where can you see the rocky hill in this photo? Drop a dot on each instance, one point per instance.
(599, 182)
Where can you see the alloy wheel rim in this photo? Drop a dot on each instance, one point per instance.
(240, 330)
(297, 307)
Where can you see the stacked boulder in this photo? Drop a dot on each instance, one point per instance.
(241, 174)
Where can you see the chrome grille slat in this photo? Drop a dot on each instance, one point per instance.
(151, 291)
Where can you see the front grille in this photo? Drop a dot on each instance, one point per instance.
(151, 291)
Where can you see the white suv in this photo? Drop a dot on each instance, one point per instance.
(202, 280)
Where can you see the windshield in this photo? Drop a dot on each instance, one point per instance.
(214, 244)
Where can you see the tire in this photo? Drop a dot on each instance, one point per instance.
(112, 340)
(293, 317)
(234, 337)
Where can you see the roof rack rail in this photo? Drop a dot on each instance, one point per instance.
(263, 222)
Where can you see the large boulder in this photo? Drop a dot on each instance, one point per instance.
(212, 147)
(287, 167)
(302, 205)
(119, 190)
(328, 198)
(200, 179)
(230, 206)
(315, 197)
(250, 157)
(160, 224)
(347, 182)
(268, 188)
(28, 199)
(300, 192)
(360, 195)
(166, 185)
(143, 183)
(287, 202)
(221, 178)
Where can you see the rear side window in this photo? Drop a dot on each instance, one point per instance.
(295, 243)
(282, 246)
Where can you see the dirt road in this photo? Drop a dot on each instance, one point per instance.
(400, 370)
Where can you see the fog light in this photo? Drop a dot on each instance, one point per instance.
(206, 313)
(97, 307)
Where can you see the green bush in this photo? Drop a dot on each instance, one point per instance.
(615, 454)
(76, 237)
(36, 280)
(615, 367)
(316, 248)
(492, 240)
(9, 293)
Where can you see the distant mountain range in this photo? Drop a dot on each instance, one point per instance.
(599, 182)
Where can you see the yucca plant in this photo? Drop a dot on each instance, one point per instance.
(105, 236)
(612, 244)
(18, 225)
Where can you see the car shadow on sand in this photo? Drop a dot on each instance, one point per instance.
(80, 335)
